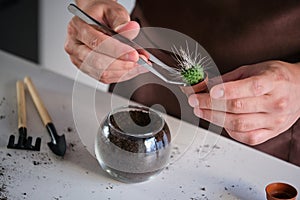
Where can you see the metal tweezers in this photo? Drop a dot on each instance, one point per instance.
(171, 76)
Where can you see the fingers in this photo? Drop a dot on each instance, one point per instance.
(246, 81)
(108, 75)
(250, 128)
(99, 55)
(76, 49)
(235, 122)
(254, 104)
(101, 42)
(75, 61)
(115, 16)
(109, 70)
(253, 137)
(249, 87)
(236, 74)
(109, 12)
(238, 106)
(100, 66)
(131, 74)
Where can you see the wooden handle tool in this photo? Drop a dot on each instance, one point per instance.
(21, 105)
(23, 141)
(58, 143)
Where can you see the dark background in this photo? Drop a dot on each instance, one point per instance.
(19, 28)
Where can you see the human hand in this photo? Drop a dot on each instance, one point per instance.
(255, 103)
(99, 55)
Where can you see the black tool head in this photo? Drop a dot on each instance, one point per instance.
(59, 147)
(24, 142)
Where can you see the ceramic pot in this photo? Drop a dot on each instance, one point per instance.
(196, 88)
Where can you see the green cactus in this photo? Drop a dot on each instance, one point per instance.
(193, 75)
(190, 67)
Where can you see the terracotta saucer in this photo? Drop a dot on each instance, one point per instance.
(279, 191)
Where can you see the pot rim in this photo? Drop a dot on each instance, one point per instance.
(144, 109)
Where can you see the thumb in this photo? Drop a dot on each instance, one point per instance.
(118, 19)
(234, 75)
(116, 16)
(130, 29)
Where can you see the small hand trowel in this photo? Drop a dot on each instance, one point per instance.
(58, 143)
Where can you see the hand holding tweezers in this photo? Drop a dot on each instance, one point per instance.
(171, 76)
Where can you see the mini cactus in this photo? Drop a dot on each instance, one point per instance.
(190, 65)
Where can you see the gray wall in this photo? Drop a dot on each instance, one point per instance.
(19, 28)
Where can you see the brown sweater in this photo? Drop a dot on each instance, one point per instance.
(234, 33)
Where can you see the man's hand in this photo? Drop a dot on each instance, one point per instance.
(255, 103)
(97, 54)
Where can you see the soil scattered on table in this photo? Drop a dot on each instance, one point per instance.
(57, 198)
(41, 159)
(4, 113)
(12, 165)
(72, 146)
(175, 152)
(69, 129)
(3, 191)
(2, 101)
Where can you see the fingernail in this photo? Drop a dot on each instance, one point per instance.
(119, 27)
(193, 101)
(198, 112)
(131, 56)
(217, 93)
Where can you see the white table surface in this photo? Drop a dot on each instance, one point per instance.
(227, 171)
